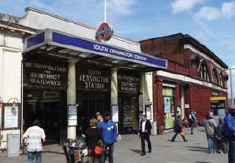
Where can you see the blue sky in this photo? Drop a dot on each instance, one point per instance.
(212, 22)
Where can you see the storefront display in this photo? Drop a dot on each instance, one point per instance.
(11, 114)
(169, 107)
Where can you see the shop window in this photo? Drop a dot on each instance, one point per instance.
(168, 107)
(214, 76)
(204, 75)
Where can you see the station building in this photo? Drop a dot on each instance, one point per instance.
(195, 80)
(55, 70)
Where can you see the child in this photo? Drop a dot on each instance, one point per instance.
(185, 122)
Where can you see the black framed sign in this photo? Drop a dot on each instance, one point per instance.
(93, 79)
(128, 83)
(39, 74)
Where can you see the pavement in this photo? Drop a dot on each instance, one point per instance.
(128, 150)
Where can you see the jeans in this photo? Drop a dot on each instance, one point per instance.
(110, 154)
(174, 137)
(231, 153)
(145, 136)
(212, 143)
(32, 155)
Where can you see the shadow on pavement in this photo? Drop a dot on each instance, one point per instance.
(197, 149)
(136, 151)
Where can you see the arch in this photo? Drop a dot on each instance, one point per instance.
(214, 76)
(203, 70)
(221, 80)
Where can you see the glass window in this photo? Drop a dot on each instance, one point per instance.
(221, 83)
(204, 75)
(214, 77)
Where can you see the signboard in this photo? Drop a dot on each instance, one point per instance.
(128, 84)
(217, 98)
(148, 112)
(45, 75)
(93, 79)
(104, 32)
(167, 92)
(11, 115)
(186, 106)
(167, 105)
(169, 123)
(72, 115)
(115, 115)
(218, 107)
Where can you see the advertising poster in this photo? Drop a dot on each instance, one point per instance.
(167, 105)
(72, 115)
(11, 116)
(115, 115)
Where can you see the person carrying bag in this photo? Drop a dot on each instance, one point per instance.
(94, 140)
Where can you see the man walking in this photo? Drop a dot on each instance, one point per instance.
(193, 121)
(35, 136)
(210, 126)
(145, 132)
(109, 131)
(230, 132)
(179, 129)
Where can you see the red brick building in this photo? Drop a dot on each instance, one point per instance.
(194, 75)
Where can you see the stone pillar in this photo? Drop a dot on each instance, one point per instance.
(71, 95)
(114, 88)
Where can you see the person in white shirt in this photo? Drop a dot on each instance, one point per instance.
(35, 136)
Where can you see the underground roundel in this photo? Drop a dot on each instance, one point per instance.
(104, 32)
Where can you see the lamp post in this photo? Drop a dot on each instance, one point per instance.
(231, 84)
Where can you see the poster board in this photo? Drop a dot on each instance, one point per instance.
(167, 105)
(115, 114)
(11, 116)
(72, 115)
(148, 112)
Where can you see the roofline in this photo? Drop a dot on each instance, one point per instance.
(71, 21)
(194, 42)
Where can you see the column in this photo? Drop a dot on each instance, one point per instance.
(114, 88)
(71, 95)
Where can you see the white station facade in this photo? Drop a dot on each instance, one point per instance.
(55, 70)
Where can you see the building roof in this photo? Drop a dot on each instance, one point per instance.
(187, 39)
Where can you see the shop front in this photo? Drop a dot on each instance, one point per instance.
(85, 77)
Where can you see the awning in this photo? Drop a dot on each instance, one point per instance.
(62, 45)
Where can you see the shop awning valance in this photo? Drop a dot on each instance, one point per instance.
(62, 45)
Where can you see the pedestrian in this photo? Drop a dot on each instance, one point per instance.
(99, 117)
(185, 122)
(210, 127)
(109, 131)
(220, 137)
(94, 139)
(145, 132)
(230, 132)
(35, 135)
(178, 129)
(193, 121)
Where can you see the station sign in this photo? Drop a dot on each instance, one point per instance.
(104, 32)
(43, 75)
(93, 79)
(128, 84)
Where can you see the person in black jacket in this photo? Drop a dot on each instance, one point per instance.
(179, 129)
(93, 136)
(145, 132)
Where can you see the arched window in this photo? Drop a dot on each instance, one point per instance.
(204, 75)
(214, 76)
(221, 82)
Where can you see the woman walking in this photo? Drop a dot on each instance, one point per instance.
(93, 138)
(179, 129)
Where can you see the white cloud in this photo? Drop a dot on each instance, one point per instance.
(209, 13)
(184, 5)
(120, 7)
(228, 9)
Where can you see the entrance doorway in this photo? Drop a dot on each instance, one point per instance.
(52, 114)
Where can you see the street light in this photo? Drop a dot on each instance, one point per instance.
(231, 84)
